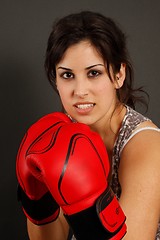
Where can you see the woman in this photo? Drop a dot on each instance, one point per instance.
(87, 63)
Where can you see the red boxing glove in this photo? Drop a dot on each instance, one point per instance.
(74, 164)
(37, 202)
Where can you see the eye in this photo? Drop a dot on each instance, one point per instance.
(67, 75)
(94, 73)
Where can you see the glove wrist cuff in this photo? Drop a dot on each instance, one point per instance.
(100, 221)
(41, 211)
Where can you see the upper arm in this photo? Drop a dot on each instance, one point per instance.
(140, 182)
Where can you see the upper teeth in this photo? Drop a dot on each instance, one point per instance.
(84, 106)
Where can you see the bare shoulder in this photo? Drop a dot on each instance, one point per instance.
(141, 155)
(145, 143)
(139, 175)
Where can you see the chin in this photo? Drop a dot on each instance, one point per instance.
(85, 121)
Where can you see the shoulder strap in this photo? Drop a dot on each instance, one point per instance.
(137, 131)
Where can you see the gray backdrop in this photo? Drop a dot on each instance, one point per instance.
(25, 94)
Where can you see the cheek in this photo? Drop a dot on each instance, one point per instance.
(64, 95)
(106, 93)
(63, 90)
(106, 89)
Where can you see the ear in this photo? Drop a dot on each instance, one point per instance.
(120, 76)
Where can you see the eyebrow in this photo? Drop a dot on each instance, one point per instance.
(64, 68)
(95, 65)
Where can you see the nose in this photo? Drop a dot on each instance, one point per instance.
(81, 89)
(81, 94)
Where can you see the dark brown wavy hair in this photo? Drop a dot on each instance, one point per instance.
(106, 36)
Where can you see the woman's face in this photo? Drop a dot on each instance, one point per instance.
(86, 91)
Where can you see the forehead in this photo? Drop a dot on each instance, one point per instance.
(83, 52)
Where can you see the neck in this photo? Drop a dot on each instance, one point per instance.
(109, 128)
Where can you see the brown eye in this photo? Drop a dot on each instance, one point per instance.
(67, 75)
(93, 73)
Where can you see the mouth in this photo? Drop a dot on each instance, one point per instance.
(84, 105)
(84, 108)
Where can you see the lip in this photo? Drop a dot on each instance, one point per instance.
(84, 107)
